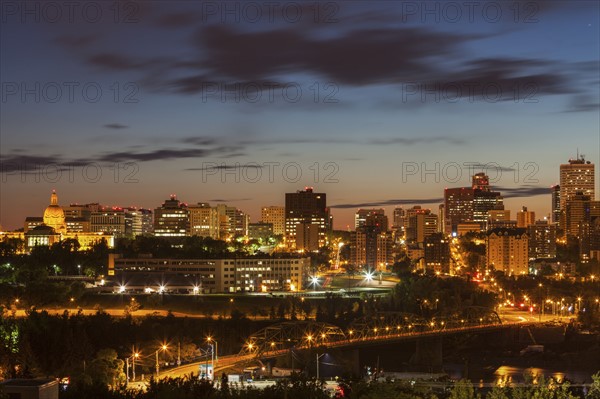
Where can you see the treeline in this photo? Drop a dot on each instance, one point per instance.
(300, 387)
(66, 345)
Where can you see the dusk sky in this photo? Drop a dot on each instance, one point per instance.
(363, 92)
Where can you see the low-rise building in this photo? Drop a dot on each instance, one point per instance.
(212, 275)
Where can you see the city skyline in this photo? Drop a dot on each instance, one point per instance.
(174, 92)
(349, 211)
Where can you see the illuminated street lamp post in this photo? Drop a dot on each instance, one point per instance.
(209, 340)
(163, 348)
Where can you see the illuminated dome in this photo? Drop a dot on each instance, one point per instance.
(54, 216)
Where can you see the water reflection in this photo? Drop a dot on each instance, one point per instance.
(507, 375)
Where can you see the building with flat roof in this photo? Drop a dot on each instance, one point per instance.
(211, 276)
(21, 388)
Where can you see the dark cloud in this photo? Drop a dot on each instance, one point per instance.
(37, 163)
(199, 140)
(491, 166)
(113, 61)
(115, 126)
(416, 140)
(357, 57)
(227, 167)
(523, 191)
(389, 203)
(157, 155)
(177, 20)
(76, 41)
(583, 103)
(229, 200)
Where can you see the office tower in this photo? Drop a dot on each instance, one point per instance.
(437, 253)
(441, 218)
(371, 248)
(498, 218)
(306, 208)
(420, 224)
(542, 239)
(589, 233)
(525, 218)
(556, 204)
(204, 220)
(580, 210)
(371, 217)
(276, 216)
(240, 223)
(138, 222)
(507, 250)
(109, 221)
(480, 182)
(81, 210)
(399, 222)
(171, 219)
(483, 202)
(458, 206)
(576, 177)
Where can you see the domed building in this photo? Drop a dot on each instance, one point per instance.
(52, 228)
(54, 216)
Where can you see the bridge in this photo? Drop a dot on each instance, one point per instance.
(381, 328)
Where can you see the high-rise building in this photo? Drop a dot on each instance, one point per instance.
(441, 218)
(109, 221)
(399, 222)
(470, 204)
(371, 248)
(556, 204)
(580, 209)
(308, 208)
(542, 240)
(589, 233)
(371, 217)
(525, 218)
(483, 202)
(232, 222)
(276, 216)
(420, 224)
(498, 218)
(204, 221)
(480, 182)
(171, 219)
(507, 250)
(458, 206)
(138, 222)
(437, 253)
(240, 223)
(576, 177)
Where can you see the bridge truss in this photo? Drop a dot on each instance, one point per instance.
(291, 334)
(393, 323)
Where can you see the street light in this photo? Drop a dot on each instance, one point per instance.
(163, 348)
(314, 280)
(132, 357)
(210, 339)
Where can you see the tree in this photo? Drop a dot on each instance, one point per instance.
(107, 368)
(463, 389)
(594, 392)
